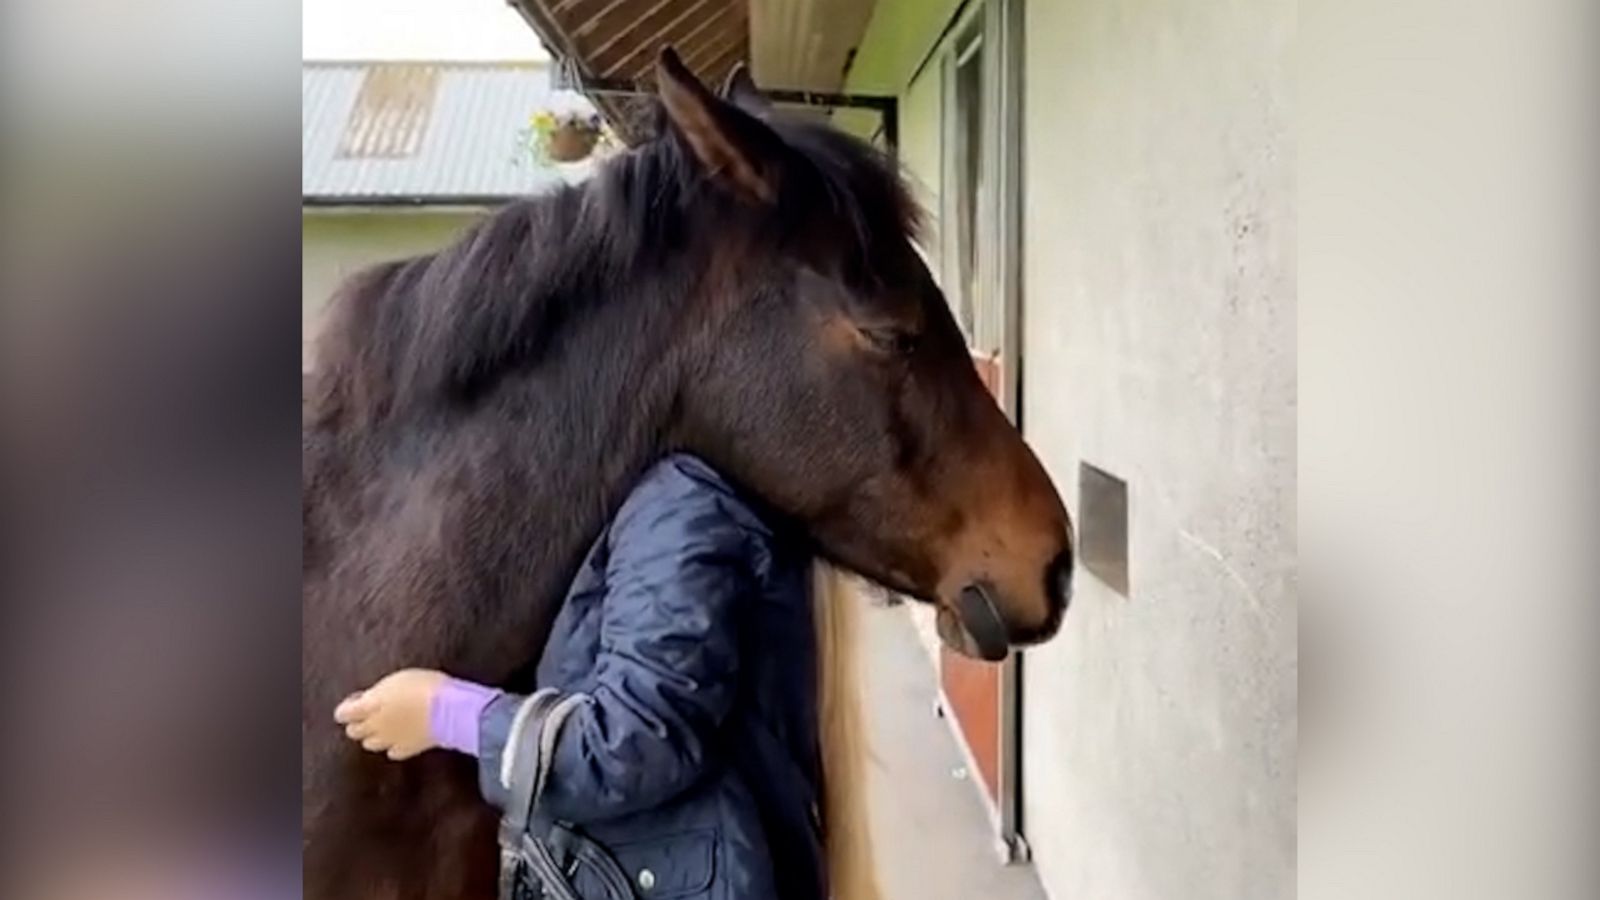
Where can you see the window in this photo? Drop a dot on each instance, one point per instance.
(966, 109)
(979, 137)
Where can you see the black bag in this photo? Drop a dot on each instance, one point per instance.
(535, 867)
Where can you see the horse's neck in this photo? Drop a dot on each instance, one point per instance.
(579, 443)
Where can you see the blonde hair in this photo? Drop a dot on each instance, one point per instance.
(841, 731)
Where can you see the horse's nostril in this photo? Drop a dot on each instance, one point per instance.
(1058, 579)
(1058, 591)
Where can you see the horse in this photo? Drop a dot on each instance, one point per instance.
(744, 287)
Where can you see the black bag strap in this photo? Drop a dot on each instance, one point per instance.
(531, 746)
(523, 783)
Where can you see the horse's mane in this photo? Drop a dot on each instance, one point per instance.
(444, 325)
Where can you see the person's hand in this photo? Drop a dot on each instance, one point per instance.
(391, 717)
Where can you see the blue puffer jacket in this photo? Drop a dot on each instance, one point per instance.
(677, 705)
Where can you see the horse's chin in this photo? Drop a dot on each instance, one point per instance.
(971, 626)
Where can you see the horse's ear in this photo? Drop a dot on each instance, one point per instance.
(740, 90)
(733, 146)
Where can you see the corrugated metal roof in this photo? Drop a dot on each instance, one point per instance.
(444, 133)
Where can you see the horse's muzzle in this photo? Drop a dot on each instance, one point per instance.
(973, 625)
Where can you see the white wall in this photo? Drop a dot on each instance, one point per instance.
(1159, 295)
(335, 244)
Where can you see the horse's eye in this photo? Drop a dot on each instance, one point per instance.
(893, 341)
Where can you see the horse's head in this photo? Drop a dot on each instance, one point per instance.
(833, 380)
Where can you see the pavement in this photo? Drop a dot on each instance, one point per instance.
(931, 831)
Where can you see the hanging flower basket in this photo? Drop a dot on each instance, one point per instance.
(570, 143)
(564, 137)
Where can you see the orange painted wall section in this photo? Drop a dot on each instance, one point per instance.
(971, 686)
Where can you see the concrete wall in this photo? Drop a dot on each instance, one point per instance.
(335, 244)
(1159, 344)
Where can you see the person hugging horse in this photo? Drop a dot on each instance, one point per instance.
(676, 712)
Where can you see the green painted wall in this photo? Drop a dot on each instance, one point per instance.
(335, 244)
(897, 39)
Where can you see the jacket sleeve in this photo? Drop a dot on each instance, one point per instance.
(666, 674)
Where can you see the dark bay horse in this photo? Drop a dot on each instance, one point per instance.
(742, 287)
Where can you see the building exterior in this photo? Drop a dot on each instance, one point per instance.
(398, 158)
(1142, 156)
(1135, 234)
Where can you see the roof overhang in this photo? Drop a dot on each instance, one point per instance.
(799, 50)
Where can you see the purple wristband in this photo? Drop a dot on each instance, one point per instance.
(453, 714)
